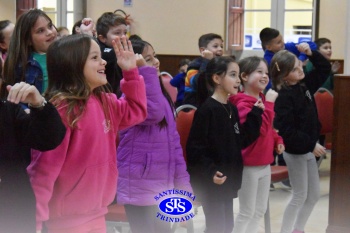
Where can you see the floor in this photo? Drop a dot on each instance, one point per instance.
(318, 220)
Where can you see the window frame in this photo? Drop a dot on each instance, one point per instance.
(235, 21)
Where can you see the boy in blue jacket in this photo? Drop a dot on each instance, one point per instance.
(272, 42)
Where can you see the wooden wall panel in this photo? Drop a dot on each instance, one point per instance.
(23, 6)
(170, 63)
(339, 201)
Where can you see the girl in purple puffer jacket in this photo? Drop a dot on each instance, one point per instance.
(150, 159)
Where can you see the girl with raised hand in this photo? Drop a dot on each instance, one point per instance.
(150, 158)
(75, 182)
(296, 120)
(257, 157)
(215, 141)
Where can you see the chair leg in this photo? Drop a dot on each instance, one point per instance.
(267, 218)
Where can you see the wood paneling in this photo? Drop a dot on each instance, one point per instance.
(170, 63)
(339, 201)
(23, 6)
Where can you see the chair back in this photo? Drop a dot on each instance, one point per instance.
(166, 77)
(184, 121)
(324, 104)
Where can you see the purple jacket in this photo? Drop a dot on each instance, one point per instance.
(150, 158)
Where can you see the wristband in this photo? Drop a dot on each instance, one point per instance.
(39, 105)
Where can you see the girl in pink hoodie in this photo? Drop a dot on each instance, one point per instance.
(257, 157)
(75, 182)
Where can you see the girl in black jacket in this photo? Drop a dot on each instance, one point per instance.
(215, 141)
(296, 120)
(42, 129)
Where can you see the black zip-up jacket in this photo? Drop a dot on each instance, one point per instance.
(19, 131)
(296, 116)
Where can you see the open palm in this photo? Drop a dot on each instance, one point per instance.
(125, 54)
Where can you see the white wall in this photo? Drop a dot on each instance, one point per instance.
(8, 10)
(171, 26)
(333, 25)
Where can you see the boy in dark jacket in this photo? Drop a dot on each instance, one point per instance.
(108, 27)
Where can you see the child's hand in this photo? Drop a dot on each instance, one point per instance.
(319, 150)
(207, 54)
(88, 27)
(271, 95)
(25, 93)
(140, 61)
(304, 48)
(125, 54)
(260, 104)
(279, 149)
(335, 67)
(218, 178)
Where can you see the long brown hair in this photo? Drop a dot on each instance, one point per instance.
(281, 65)
(66, 59)
(21, 46)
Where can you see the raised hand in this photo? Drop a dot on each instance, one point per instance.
(271, 95)
(25, 93)
(126, 58)
(335, 67)
(304, 48)
(140, 61)
(88, 27)
(207, 54)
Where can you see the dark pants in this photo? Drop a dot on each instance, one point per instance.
(144, 219)
(218, 214)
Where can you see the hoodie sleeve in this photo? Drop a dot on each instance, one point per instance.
(317, 76)
(250, 129)
(46, 130)
(131, 109)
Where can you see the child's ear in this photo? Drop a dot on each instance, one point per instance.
(268, 46)
(244, 77)
(201, 49)
(77, 29)
(216, 79)
(2, 45)
(102, 38)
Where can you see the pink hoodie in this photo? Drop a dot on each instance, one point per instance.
(261, 151)
(75, 182)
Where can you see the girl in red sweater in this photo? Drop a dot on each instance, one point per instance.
(257, 157)
(75, 182)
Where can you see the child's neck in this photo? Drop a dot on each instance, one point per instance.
(220, 97)
(255, 94)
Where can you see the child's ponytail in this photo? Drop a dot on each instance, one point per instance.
(203, 91)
